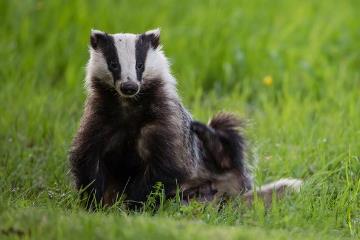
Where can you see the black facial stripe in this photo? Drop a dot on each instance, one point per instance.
(108, 49)
(142, 46)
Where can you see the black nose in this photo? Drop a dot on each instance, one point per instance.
(129, 88)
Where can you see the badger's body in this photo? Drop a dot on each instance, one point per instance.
(127, 149)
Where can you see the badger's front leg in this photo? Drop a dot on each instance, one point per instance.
(201, 192)
(88, 173)
(161, 152)
(87, 168)
(144, 183)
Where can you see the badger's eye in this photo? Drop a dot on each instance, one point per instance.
(113, 65)
(139, 66)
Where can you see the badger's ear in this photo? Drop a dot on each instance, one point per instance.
(154, 36)
(95, 37)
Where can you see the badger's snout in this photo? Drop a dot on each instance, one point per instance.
(129, 88)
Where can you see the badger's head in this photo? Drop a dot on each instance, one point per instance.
(127, 62)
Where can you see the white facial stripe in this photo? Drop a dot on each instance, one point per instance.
(125, 45)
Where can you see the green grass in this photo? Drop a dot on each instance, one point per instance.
(306, 124)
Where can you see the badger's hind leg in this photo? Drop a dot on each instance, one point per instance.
(275, 189)
(216, 159)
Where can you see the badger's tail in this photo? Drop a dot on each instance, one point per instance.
(223, 140)
(275, 189)
(226, 122)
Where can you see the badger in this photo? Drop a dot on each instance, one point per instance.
(135, 131)
(222, 172)
(226, 174)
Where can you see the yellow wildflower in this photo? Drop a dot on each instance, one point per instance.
(268, 80)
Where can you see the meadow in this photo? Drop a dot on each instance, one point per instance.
(291, 69)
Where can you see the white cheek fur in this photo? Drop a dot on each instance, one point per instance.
(156, 64)
(97, 67)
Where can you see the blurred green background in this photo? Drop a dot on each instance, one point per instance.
(290, 68)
